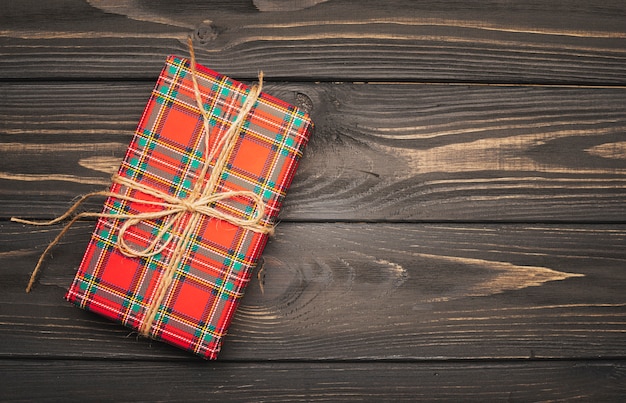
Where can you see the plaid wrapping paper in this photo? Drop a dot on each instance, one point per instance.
(166, 153)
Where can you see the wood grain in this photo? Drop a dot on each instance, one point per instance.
(400, 40)
(313, 382)
(445, 238)
(418, 152)
(355, 291)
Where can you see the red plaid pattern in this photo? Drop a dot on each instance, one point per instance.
(166, 153)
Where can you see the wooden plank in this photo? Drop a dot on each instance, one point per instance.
(312, 382)
(379, 152)
(362, 291)
(398, 40)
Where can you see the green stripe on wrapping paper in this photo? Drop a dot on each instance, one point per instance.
(297, 122)
(248, 210)
(160, 317)
(182, 187)
(106, 240)
(152, 264)
(186, 159)
(173, 69)
(135, 301)
(217, 112)
(209, 333)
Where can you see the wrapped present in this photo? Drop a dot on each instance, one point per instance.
(191, 207)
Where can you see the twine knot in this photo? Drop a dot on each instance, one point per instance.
(191, 207)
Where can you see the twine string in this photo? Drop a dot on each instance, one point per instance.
(181, 214)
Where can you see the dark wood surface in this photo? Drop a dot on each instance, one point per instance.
(456, 230)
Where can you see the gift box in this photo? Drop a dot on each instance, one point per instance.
(190, 268)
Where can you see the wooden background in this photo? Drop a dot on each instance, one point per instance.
(456, 230)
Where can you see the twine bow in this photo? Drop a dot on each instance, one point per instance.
(175, 210)
(197, 204)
